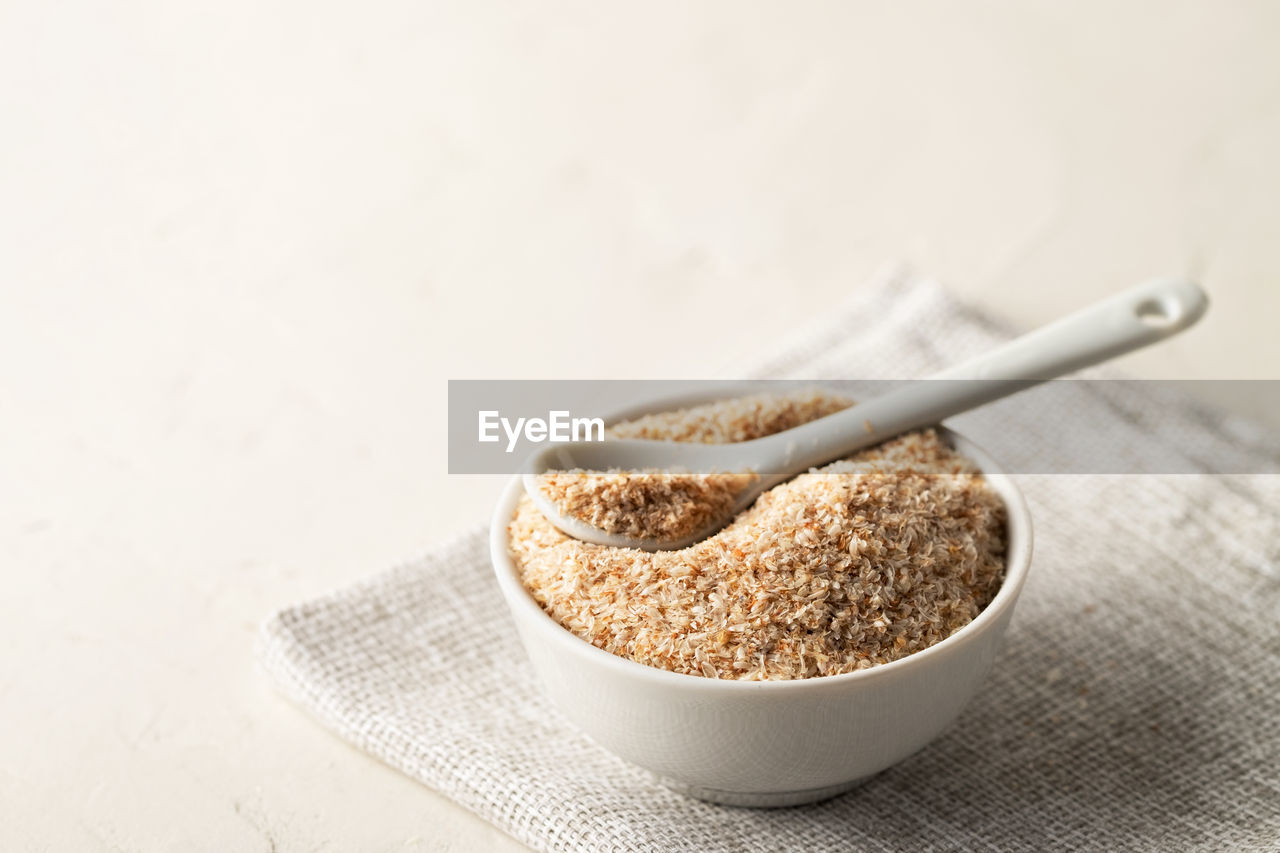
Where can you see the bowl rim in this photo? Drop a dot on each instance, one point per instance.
(527, 611)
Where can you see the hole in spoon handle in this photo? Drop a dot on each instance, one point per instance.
(1169, 305)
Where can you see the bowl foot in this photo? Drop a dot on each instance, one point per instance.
(764, 799)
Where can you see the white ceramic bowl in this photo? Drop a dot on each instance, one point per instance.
(766, 743)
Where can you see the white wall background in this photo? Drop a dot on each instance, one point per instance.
(244, 245)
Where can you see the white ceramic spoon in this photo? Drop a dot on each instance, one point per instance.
(1135, 318)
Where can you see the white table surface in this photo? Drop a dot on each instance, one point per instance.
(245, 245)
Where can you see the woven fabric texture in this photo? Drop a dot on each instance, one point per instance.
(1135, 705)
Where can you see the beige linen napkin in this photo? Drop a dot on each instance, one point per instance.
(1136, 703)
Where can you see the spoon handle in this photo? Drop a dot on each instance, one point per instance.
(1116, 325)
(1127, 321)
